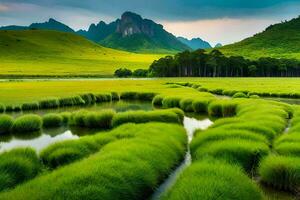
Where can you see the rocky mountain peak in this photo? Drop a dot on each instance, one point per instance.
(131, 23)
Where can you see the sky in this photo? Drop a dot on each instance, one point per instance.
(216, 21)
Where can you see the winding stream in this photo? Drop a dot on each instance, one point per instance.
(190, 125)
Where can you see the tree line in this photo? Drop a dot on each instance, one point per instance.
(200, 63)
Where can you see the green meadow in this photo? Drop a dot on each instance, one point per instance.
(49, 53)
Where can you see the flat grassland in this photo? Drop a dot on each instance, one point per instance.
(33, 90)
(51, 53)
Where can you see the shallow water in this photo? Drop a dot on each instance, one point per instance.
(191, 125)
(40, 140)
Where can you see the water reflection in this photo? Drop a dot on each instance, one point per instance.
(37, 143)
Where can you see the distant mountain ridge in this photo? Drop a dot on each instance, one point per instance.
(195, 43)
(52, 24)
(280, 40)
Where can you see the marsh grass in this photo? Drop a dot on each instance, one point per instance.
(211, 179)
(103, 98)
(52, 120)
(49, 103)
(157, 100)
(281, 172)
(18, 166)
(239, 95)
(186, 105)
(30, 106)
(101, 119)
(243, 152)
(71, 101)
(125, 169)
(88, 98)
(167, 116)
(171, 102)
(27, 123)
(6, 123)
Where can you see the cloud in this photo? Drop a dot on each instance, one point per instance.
(3, 8)
(172, 9)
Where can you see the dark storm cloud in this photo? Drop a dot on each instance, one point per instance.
(169, 9)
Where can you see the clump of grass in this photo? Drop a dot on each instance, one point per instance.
(139, 164)
(219, 134)
(254, 97)
(115, 96)
(145, 96)
(27, 123)
(17, 108)
(103, 98)
(171, 102)
(88, 98)
(239, 95)
(128, 95)
(49, 103)
(157, 100)
(200, 105)
(66, 152)
(2, 108)
(281, 172)
(6, 123)
(77, 118)
(215, 109)
(18, 166)
(52, 120)
(102, 119)
(243, 152)
(71, 101)
(66, 116)
(186, 105)
(30, 106)
(9, 108)
(145, 116)
(209, 179)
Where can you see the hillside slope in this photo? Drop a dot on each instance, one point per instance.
(279, 41)
(51, 53)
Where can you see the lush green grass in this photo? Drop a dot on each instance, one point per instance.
(126, 169)
(208, 180)
(6, 123)
(167, 116)
(281, 172)
(17, 166)
(52, 120)
(17, 92)
(27, 123)
(51, 53)
(280, 41)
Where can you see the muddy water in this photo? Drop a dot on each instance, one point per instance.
(190, 125)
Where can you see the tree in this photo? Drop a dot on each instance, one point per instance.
(140, 73)
(123, 72)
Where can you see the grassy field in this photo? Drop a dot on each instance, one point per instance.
(27, 91)
(279, 41)
(50, 53)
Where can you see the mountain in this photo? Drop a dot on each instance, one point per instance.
(218, 45)
(195, 43)
(133, 33)
(98, 32)
(13, 28)
(53, 53)
(51, 24)
(279, 41)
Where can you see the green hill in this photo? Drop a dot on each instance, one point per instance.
(279, 41)
(52, 53)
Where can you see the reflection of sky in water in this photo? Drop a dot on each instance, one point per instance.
(37, 143)
(192, 124)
